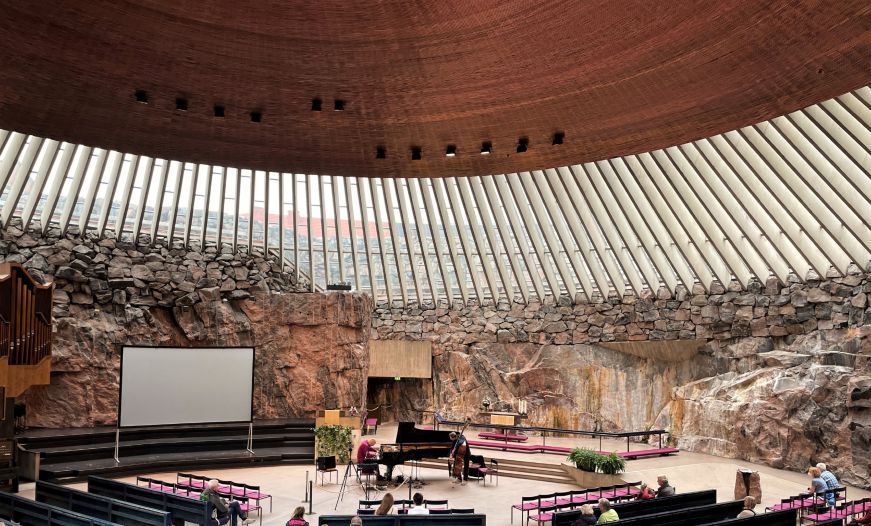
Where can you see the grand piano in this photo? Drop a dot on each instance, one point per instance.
(415, 444)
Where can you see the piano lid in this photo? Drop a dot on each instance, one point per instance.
(408, 433)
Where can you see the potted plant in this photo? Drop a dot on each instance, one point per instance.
(590, 469)
(611, 464)
(333, 440)
(584, 459)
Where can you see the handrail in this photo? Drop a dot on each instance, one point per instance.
(544, 430)
(595, 434)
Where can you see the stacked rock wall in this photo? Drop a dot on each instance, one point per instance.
(783, 375)
(312, 348)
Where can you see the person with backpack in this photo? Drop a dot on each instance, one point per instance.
(297, 518)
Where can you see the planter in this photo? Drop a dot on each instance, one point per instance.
(588, 479)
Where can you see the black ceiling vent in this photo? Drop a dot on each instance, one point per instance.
(316, 104)
(522, 144)
(415, 153)
(558, 138)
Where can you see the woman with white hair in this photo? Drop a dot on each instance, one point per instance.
(224, 511)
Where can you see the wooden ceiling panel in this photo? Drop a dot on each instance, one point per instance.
(618, 77)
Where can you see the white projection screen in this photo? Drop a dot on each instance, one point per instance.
(181, 385)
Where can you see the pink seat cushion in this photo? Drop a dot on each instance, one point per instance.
(542, 517)
(258, 495)
(526, 506)
(371, 421)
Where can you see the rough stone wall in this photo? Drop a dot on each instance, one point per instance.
(312, 349)
(784, 377)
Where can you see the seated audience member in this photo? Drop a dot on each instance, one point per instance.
(356, 520)
(646, 493)
(297, 518)
(607, 514)
(818, 485)
(587, 516)
(749, 504)
(831, 481)
(665, 490)
(386, 507)
(864, 520)
(224, 510)
(417, 505)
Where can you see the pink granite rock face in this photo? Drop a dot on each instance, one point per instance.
(789, 388)
(311, 353)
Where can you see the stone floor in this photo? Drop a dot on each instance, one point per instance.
(687, 472)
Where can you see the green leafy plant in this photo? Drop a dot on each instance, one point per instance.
(584, 459)
(611, 464)
(334, 441)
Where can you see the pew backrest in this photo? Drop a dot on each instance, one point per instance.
(775, 518)
(182, 508)
(98, 506)
(407, 520)
(638, 508)
(688, 516)
(27, 512)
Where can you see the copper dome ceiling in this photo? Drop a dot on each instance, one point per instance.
(616, 77)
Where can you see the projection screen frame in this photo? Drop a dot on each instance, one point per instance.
(212, 347)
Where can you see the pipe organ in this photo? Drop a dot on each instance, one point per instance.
(25, 330)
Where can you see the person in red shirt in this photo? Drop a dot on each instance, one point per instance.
(367, 453)
(646, 493)
(864, 520)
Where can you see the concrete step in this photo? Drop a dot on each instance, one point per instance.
(518, 469)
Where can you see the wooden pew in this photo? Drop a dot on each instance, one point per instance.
(688, 516)
(638, 508)
(105, 508)
(183, 509)
(31, 513)
(774, 518)
(407, 520)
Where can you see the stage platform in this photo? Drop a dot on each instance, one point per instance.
(73, 454)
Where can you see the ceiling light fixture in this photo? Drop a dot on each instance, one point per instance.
(338, 105)
(141, 96)
(219, 110)
(380, 152)
(522, 144)
(181, 104)
(256, 116)
(451, 150)
(558, 138)
(486, 147)
(316, 104)
(415, 153)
